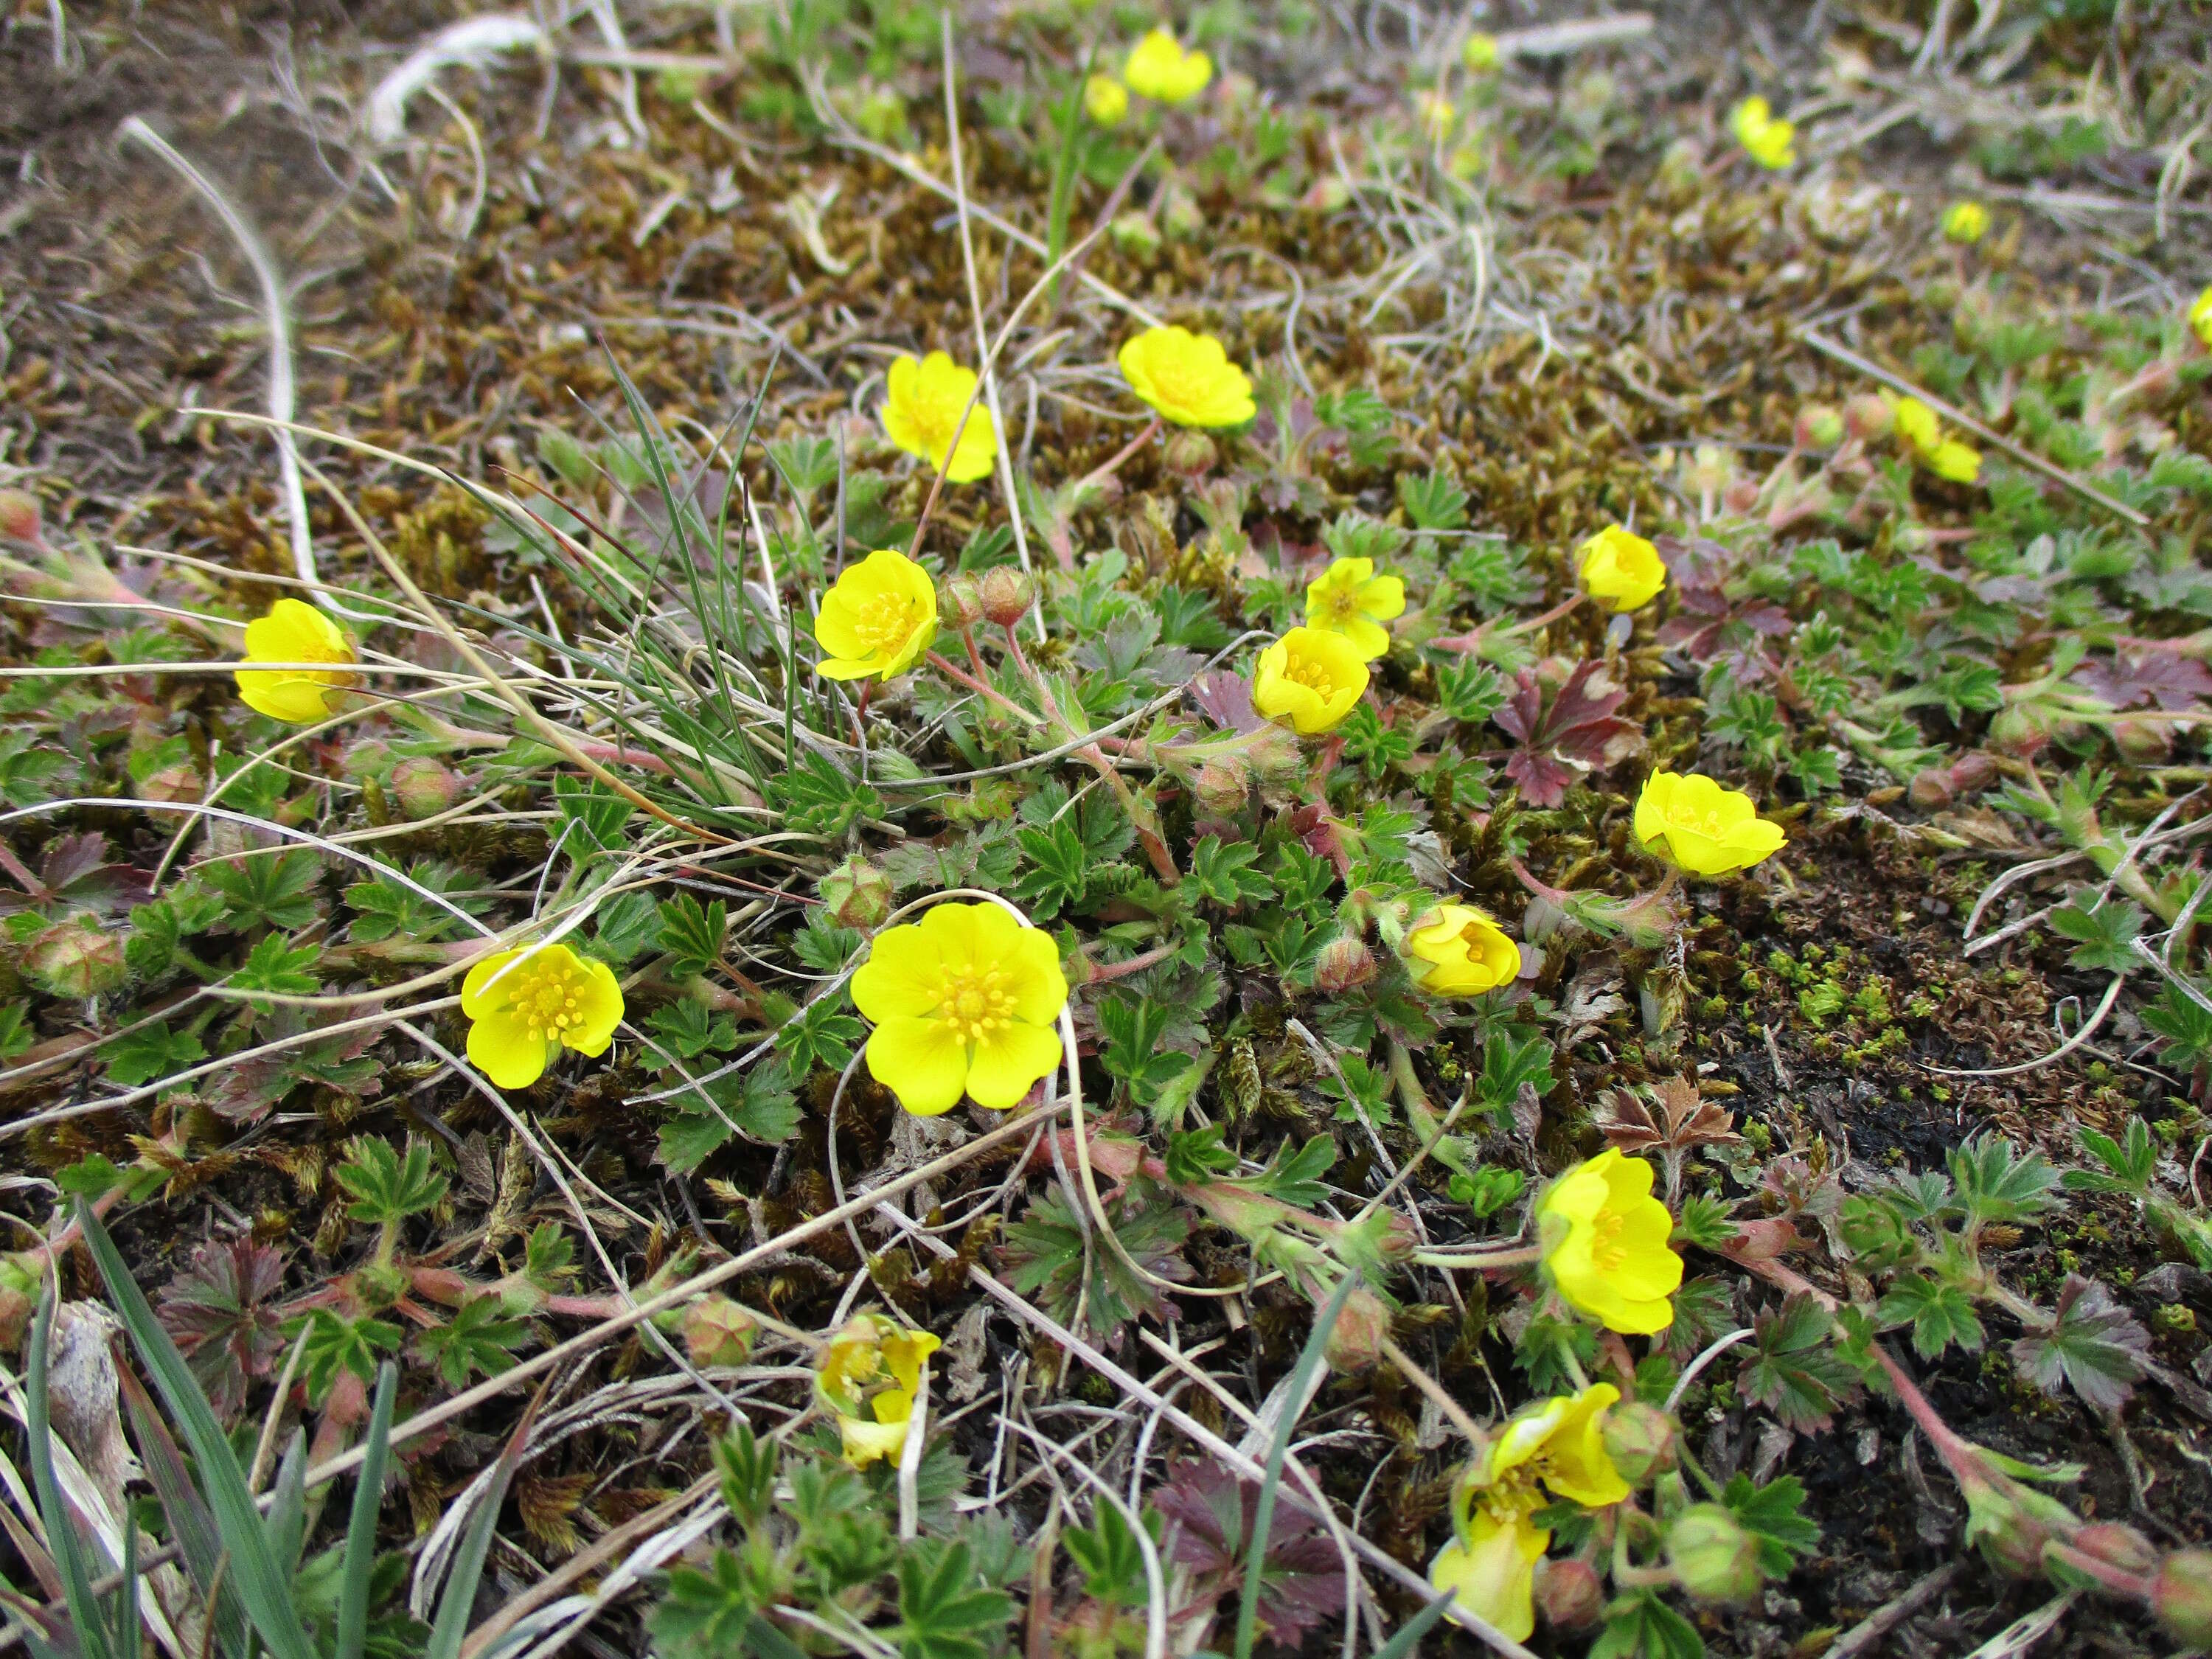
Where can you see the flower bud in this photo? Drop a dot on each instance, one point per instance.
(857, 893)
(2181, 1596)
(1344, 964)
(19, 516)
(1819, 427)
(1355, 1341)
(1930, 788)
(1190, 451)
(1568, 1594)
(960, 602)
(2116, 1545)
(1868, 419)
(181, 781)
(1181, 217)
(1640, 1439)
(1221, 787)
(2144, 738)
(1713, 1558)
(424, 787)
(718, 1331)
(1007, 594)
(2017, 732)
(1741, 496)
(1135, 234)
(76, 959)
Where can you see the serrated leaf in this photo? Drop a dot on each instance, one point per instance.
(2104, 933)
(1939, 1314)
(2092, 1342)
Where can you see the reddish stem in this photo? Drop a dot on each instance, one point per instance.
(1152, 958)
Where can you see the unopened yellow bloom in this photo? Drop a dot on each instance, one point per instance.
(1480, 54)
(1160, 69)
(1966, 222)
(923, 409)
(867, 1378)
(1437, 115)
(1490, 1569)
(1188, 378)
(1351, 599)
(1701, 827)
(2200, 317)
(1560, 1442)
(1605, 1242)
(1770, 142)
(294, 632)
(1946, 457)
(1619, 569)
(965, 1001)
(527, 1006)
(1106, 99)
(1309, 677)
(1465, 953)
(878, 617)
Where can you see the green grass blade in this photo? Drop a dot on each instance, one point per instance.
(190, 1524)
(126, 1593)
(1263, 1514)
(1408, 1635)
(86, 1614)
(288, 1511)
(265, 1588)
(360, 1528)
(454, 1606)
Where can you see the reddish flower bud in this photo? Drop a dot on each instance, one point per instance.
(2181, 1596)
(1344, 964)
(858, 894)
(1569, 1596)
(1190, 451)
(77, 960)
(1868, 418)
(1355, 1341)
(718, 1331)
(1221, 787)
(1007, 594)
(19, 516)
(424, 787)
(1818, 426)
(960, 602)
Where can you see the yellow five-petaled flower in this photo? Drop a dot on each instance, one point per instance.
(1701, 827)
(1606, 1245)
(965, 1001)
(528, 1005)
(1768, 141)
(1966, 222)
(1187, 378)
(1620, 569)
(1106, 100)
(293, 632)
(867, 1379)
(923, 409)
(1351, 599)
(876, 617)
(1309, 677)
(1159, 68)
(1947, 458)
(1463, 953)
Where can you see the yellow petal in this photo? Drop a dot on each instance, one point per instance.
(923, 1061)
(501, 1047)
(483, 991)
(601, 1002)
(1008, 1060)
(902, 975)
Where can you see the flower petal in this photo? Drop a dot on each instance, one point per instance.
(501, 1047)
(923, 1061)
(903, 976)
(1008, 1060)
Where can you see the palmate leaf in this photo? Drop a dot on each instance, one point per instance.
(1996, 1183)
(1793, 1371)
(387, 1188)
(1044, 1255)
(1771, 1514)
(1561, 741)
(1209, 1512)
(478, 1337)
(2092, 1342)
(2104, 933)
(2132, 1161)
(945, 1610)
(220, 1311)
(1940, 1315)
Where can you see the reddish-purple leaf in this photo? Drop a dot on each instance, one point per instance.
(1227, 700)
(2165, 678)
(1576, 732)
(1209, 1512)
(219, 1310)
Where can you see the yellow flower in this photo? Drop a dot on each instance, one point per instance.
(1466, 952)
(867, 1378)
(1188, 378)
(527, 1006)
(1560, 1442)
(1310, 678)
(1772, 143)
(1437, 115)
(293, 632)
(923, 408)
(1106, 99)
(1922, 433)
(1480, 54)
(1605, 1242)
(2200, 317)
(1159, 68)
(965, 1001)
(878, 616)
(1351, 599)
(1622, 571)
(1705, 829)
(1492, 1569)
(1966, 222)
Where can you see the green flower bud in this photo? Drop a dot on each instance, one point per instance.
(1640, 1439)
(2181, 1596)
(858, 894)
(1135, 234)
(1819, 427)
(1713, 1558)
(76, 959)
(1344, 964)
(424, 787)
(960, 602)
(718, 1331)
(1190, 451)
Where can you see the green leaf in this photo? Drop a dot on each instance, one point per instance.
(1432, 501)
(1773, 1514)
(273, 966)
(97, 1175)
(1644, 1627)
(945, 1611)
(390, 909)
(1132, 1050)
(265, 891)
(336, 1344)
(1197, 1154)
(387, 1188)
(821, 1034)
(1939, 1314)
(1059, 868)
(1706, 1223)
(1224, 874)
(748, 1467)
(693, 935)
(2133, 1162)
(1106, 1552)
(1514, 1055)
(1996, 1183)
(2187, 1025)
(458, 1603)
(150, 1052)
(478, 1339)
(590, 817)
(359, 1558)
(1792, 1371)
(817, 799)
(2092, 1342)
(16, 1032)
(687, 1029)
(627, 926)
(1045, 1256)
(2104, 933)
(1294, 1177)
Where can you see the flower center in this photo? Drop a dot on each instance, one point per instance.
(975, 1002)
(883, 621)
(1606, 1249)
(1471, 936)
(547, 998)
(1311, 675)
(1339, 605)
